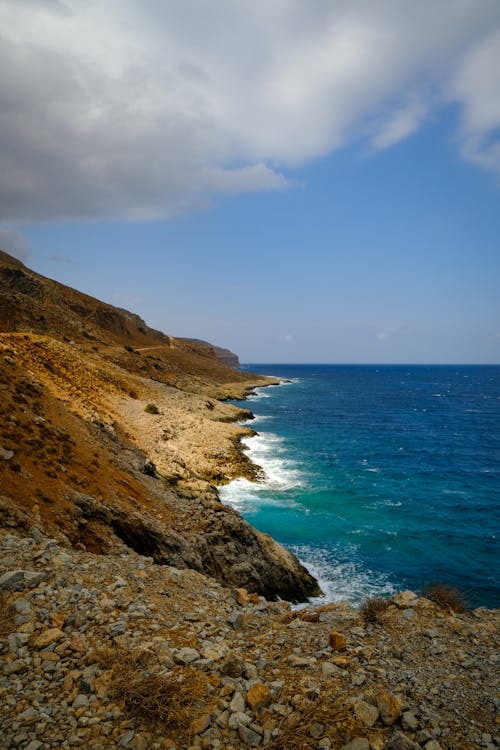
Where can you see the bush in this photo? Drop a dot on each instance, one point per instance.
(152, 409)
(373, 607)
(446, 597)
(170, 701)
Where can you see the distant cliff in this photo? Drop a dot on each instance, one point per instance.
(225, 356)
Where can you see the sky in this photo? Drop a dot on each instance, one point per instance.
(298, 181)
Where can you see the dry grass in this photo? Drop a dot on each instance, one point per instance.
(169, 701)
(328, 714)
(373, 608)
(446, 597)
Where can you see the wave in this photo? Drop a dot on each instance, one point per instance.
(279, 475)
(341, 580)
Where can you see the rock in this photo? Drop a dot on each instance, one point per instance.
(337, 641)
(259, 696)
(15, 667)
(237, 704)
(404, 599)
(301, 661)
(389, 707)
(358, 743)
(366, 713)
(400, 741)
(20, 580)
(81, 701)
(409, 721)
(236, 620)
(51, 635)
(30, 716)
(248, 736)
(200, 724)
(233, 666)
(433, 745)
(328, 669)
(238, 718)
(6, 454)
(186, 655)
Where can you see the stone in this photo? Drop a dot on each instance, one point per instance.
(236, 719)
(404, 599)
(236, 620)
(389, 706)
(20, 580)
(6, 454)
(242, 596)
(233, 666)
(186, 655)
(337, 641)
(358, 743)
(409, 721)
(81, 701)
(259, 696)
(15, 667)
(248, 736)
(400, 741)
(49, 636)
(433, 745)
(366, 713)
(200, 724)
(328, 669)
(301, 661)
(237, 704)
(30, 716)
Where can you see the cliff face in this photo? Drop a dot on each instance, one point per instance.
(225, 356)
(81, 456)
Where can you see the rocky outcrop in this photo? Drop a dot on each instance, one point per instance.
(106, 651)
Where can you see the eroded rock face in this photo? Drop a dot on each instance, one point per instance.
(227, 548)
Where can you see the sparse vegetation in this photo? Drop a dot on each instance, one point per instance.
(324, 716)
(171, 701)
(373, 607)
(151, 409)
(446, 597)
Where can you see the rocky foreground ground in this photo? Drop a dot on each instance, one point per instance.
(115, 651)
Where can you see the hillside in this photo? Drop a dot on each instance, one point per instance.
(92, 465)
(137, 611)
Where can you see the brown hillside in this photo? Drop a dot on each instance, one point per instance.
(81, 455)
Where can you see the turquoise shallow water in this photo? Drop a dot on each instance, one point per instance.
(380, 477)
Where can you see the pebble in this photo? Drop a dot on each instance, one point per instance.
(259, 670)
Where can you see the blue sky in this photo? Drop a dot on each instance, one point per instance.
(344, 209)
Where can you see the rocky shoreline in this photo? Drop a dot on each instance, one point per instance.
(137, 611)
(115, 651)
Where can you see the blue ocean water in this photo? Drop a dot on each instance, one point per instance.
(380, 477)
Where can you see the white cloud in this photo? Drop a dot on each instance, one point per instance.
(475, 85)
(400, 123)
(13, 243)
(141, 108)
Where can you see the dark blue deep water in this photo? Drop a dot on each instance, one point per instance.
(380, 477)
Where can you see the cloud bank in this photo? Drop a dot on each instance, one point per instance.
(142, 109)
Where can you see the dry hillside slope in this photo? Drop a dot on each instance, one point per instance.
(113, 431)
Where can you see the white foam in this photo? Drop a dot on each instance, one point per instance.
(279, 474)
(340, 581)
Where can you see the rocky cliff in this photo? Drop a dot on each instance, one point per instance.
(137, 611)
(115, 432)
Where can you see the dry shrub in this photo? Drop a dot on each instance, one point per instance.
(170, 701)
(329, 711)
(446, 597)
(373, 607)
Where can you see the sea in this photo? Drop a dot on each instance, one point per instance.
(379, 478)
